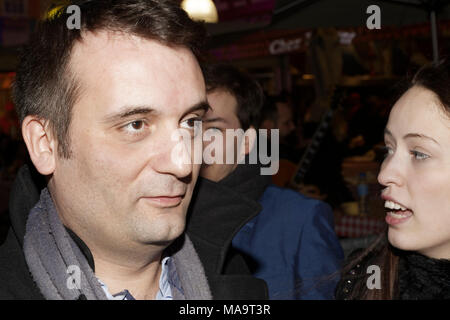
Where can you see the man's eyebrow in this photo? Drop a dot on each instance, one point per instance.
(203, 105)
(143, 110)
(217, 119)
(128, 112)
(412, 135)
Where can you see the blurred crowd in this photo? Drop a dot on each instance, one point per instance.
(354, 133)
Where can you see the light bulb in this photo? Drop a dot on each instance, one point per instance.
(201, 10)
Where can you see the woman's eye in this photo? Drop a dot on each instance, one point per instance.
(388, 151)
(419, 155)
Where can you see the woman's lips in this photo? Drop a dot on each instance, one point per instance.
(165, 201)
(396, 213)
(397, 217)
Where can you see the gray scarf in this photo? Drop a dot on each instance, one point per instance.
(61, 271)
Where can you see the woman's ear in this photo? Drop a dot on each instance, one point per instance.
(40, 144)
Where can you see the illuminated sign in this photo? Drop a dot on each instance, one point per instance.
(14, 8)
(280, 46)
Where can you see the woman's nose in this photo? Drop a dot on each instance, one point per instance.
(391, 172)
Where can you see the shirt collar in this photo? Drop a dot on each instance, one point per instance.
(167, 280)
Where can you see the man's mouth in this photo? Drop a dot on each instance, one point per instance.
(165, 201)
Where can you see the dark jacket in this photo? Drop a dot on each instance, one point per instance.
(218, 211)
(418, 277)
(16, 281)
(288, 240)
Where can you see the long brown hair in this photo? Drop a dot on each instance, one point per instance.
(436, 78)
(379, 253)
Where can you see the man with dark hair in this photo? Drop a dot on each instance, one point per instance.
(287, 238)
(277, 114)
(104, 215)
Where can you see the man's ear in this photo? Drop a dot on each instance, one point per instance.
(249, 141)
(40, 144)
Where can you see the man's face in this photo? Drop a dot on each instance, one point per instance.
(121, 187)
(221, 116)
(285, 121)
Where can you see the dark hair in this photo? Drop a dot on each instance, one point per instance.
(436, 78)
(379, 253)
(45, 85)
(270, 110)
(246, 90)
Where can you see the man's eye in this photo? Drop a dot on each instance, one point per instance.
(137, 125)
(134, 127)
(192, 123)
(214, 128)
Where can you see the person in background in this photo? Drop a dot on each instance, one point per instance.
(277, 113)
(103, 216)
(288, 239)
(412, 260)
(323, 179)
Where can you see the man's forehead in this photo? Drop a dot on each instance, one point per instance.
(283, 106)
(117, 69)
(117, 51)
(101, 37)
(105, 42)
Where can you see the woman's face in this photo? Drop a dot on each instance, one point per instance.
(416, 174)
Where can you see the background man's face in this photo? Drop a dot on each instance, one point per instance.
(221, 116)
(121, 187)
(285, 121)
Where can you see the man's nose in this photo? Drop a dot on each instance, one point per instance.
(292, 126)
(175, 156)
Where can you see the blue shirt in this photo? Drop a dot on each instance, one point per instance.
(167, 280)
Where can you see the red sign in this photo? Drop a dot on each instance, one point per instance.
(230, 10)
(275, 42)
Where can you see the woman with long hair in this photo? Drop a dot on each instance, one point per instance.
(412, 259)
